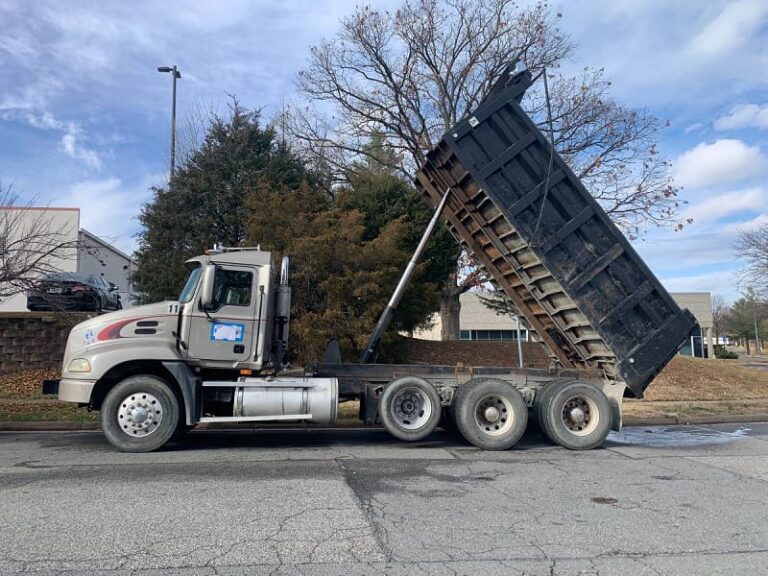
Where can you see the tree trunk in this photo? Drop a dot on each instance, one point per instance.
(450, 308)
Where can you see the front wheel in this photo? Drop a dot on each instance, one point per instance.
(490, 413)
(140, 414)
(410, 408)
(574, 415)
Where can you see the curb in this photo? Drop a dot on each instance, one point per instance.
(352, 424)
(32, 426)
(683, 420)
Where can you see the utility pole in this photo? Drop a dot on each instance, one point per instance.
(175, 74)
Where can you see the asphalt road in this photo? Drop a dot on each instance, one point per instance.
(680, 500)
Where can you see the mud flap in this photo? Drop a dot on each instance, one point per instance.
(614, 390)
(369, 403)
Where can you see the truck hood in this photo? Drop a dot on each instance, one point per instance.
(152, 321)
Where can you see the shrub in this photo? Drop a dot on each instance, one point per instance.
(723, 353)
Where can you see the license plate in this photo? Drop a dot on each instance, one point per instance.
(55, 290)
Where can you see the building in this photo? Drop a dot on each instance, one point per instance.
(85, 252)
(96, 256)
(478, 322)
(700, 340)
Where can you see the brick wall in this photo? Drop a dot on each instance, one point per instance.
(34, 339)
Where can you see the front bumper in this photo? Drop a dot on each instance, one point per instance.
(70, 390)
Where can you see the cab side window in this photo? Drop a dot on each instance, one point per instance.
(231, 288)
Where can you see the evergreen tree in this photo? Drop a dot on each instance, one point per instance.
(206, 200)
(348, 253)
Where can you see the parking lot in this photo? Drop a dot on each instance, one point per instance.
(682, 500)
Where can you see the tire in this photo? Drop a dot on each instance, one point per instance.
(574, 415)
(491, 414)
(148, 393)
(540, 399)
(410, 408)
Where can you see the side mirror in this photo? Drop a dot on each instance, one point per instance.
(206, 286)
(112, 287)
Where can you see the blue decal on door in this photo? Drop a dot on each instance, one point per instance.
(227, 332)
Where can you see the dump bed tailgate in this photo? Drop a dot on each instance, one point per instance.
(565, 265)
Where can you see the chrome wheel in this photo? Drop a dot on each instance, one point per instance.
(494, 414)
(580, 415)
(411, 408)
(139, 414)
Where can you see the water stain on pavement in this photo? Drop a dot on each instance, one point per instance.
(675, 437)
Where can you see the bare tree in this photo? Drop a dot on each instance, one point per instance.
(720, 311)
(32, 244)
(412, 74)
(752, 247)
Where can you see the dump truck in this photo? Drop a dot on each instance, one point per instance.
(217, 354)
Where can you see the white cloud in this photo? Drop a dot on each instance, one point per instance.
(72, 147)
(744, 116)
(718, 282)
(695, 127)
(109, 207)
(722, 161)
(684, 250)
(730, 203)
(71, 142)
(730, 29)
(736, 227)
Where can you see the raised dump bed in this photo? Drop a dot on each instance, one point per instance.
(557, 255)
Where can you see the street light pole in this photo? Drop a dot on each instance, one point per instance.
(175, 74)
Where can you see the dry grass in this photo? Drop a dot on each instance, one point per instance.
(702, 379)
(44, 411)
(26, 384)
(645, 409)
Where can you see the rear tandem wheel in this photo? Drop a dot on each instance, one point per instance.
(490, 413)
(574, 414)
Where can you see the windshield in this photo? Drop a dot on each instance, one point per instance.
(189, 287)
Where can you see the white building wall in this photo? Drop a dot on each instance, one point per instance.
(102, 259)
(61, 223)
(477, 316)
(474, 315)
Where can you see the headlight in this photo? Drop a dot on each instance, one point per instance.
(79, 365)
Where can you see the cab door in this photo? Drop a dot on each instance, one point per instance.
(225, 334)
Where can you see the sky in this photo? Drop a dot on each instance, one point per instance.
(85, 116)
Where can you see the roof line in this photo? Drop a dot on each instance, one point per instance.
(46, 208)
(107, 244)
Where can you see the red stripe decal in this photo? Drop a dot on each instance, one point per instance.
(112, 331)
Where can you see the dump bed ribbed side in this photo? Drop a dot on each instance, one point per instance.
(567, 267)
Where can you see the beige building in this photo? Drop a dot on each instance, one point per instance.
(700, 305)
(478, 322)
(85, 253)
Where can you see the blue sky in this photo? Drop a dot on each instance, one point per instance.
(84, 116)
